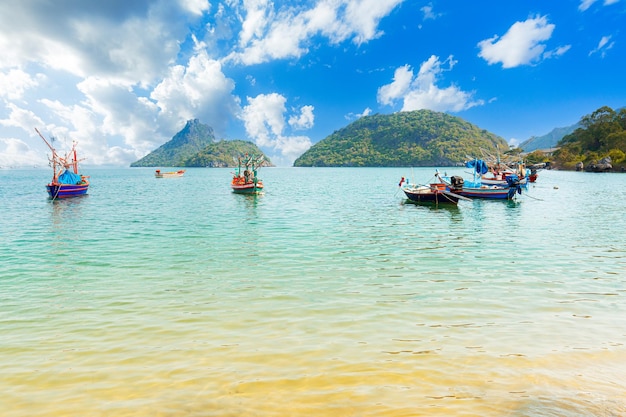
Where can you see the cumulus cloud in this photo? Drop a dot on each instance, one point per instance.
(123, 78)
(15, 82)
(402, 80)
(421, 91)
(21, 118)
(15, 152)
(102, 60)
(200, 90)
(304, 120)
(264, 119)
(133, 43)
(522, 44)
(268, 35)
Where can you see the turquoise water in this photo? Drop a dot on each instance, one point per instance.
(326, 296)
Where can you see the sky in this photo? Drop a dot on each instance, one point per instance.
(122, 77)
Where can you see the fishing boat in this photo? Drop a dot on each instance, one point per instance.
(171, 174)
(477, 189)
(66, 180)
(471, 190)
(494, 169)
(246, 181)
(534, 170)
(499, 178)
(431, 193)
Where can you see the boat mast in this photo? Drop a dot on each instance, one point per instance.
(53, 159)
(75, 162)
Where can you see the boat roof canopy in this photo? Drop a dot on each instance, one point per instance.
(68, 177)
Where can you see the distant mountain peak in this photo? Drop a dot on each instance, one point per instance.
(549, 140)
(190, 140)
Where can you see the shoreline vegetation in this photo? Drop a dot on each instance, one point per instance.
(599, 145)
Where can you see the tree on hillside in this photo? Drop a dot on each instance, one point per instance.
(602, 134)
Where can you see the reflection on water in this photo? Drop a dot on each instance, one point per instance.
(66, 211)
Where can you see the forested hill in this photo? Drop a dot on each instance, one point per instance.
(193, 138)
(195, 146)
(224, 154)
(416, 138)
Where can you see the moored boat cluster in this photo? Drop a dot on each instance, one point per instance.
(490, 181)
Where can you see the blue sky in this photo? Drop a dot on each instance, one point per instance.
(122, 77)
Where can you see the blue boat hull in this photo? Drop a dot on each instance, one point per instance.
(66, 190)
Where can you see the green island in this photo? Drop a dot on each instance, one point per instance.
(195, 146)
(415, 138)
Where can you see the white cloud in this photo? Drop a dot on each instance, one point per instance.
(304, 120)
(557, 52)
(197, 7)
(604, 45)
(522, 44)
(122, 78)
(352, 116)
(22, 118)
(264, 119)
(362, 17)
(366, 112)
(402, 79)
(15, 82)
(14, 152)
(422, 92)
(258, 12)
(268, 35)
(134, 43)
(428, 12)
(586, 4)
(199, 90)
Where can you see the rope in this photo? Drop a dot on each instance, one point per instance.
(534, 198)
(57, 193)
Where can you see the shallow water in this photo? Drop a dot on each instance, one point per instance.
(327, 296)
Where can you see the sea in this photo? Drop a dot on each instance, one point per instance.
(328, 295)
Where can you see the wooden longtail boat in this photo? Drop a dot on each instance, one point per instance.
(246, 181)
(172, 174)
(66, 180)
(432, 193)
(475, 189)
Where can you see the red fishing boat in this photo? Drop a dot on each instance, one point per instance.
(434, 192)
(66, 180)
(246, 181)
